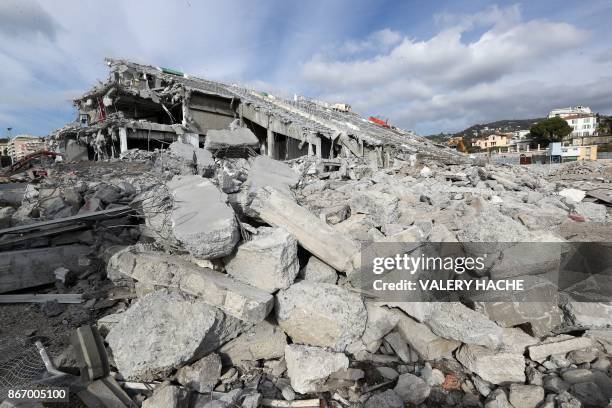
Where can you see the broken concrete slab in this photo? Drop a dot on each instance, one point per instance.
(231, 143)
(516, 340)
(262, 341)
(267, 172)
(588, 315)
(496, 367)
(201, 159)
(412, 389)
(268, 261)
(164, 330)
(421, 339)
(526, 396)
(382, 208)
(318, 271)
(497, 399)
(562, 344)
(107, 193)
(320, 239)
(201, 376)
(573, 194)
(380, 322)
(182, 150)
(167, 396)
(592, 211)
(542, 317)
(398, 345)
(310, 367)
(602, 337)
(526, 259)
(215, 288)
(453, 320)
(205, 234)
(320, 314)
(386, 399)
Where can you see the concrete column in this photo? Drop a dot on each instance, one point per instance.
(270, 142)
(192, 139)
(310, 149)
(318, 145)
(123, 139)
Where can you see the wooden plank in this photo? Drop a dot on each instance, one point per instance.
(34, 267)
(42, 298)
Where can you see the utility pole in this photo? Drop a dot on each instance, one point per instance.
(8, 130)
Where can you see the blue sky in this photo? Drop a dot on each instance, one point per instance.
(429, 66)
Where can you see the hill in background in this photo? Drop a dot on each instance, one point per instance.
(484, 129)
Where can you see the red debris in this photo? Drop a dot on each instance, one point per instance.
(577, 217)
(451, 382)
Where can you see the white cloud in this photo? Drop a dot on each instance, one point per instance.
(377, 41)
(50, 52)
(508, 68)
(486, 65)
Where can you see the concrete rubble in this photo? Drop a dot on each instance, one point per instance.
(321, 314)
(217, 244)
(152, 338)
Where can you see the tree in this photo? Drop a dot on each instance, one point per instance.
(604, 126)
(550, 130)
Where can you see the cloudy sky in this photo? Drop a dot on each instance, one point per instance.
(429, 66)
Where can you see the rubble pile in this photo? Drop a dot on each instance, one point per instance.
(241, 274)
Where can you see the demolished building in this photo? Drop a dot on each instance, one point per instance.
(146, 107)
(210, 275)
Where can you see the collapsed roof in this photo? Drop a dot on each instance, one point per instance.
(141, 104)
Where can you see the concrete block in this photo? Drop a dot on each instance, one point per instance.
(526, 396)
(268, 261)
(327, 244)
(493, 366)
(382, 208)
(558, 345)
(318, 271)
(201, 376)
(165, 330)
(320, 314)
(453, 320)
(208, 234)
(215, 288)
(412, 389)
(231, 143)
(421, 339)
(310, 367)
(264, 341)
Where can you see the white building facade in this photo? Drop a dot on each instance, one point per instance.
(580, 118)
(572, 110)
